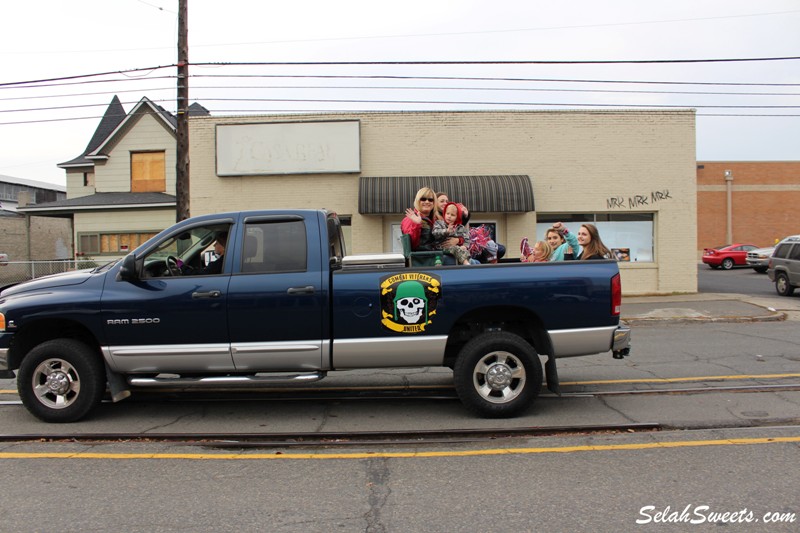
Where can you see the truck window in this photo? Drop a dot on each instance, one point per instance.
(274, 246)
(183, 254)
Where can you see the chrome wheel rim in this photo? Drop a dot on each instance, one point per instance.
(56, 383)
(499, 377)
(782, 284)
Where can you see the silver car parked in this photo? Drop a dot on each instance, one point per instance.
(759, 259)
(784, 265)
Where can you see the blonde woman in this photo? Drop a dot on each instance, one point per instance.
(419, 220)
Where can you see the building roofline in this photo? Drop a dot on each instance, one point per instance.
(134, 114)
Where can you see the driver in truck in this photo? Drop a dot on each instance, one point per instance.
(215, 266)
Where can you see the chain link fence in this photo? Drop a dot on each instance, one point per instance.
(13, 272)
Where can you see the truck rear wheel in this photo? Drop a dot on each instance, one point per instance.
(497, 374)
(61, 380)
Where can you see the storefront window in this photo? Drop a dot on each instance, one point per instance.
(629, 235)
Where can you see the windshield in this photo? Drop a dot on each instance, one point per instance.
(103, 268)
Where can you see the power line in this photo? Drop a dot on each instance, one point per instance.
(501, 62)
(385, 88)
(417, 63)
(79, 76)
(494, 78)
(423, 102)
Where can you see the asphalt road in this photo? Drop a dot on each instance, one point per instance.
(740, 280)
(718, 467)
(725, 454)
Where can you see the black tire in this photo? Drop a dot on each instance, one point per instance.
(760, 270)
(727, 263)
(508, 361)
(61, 380)
(782, 285)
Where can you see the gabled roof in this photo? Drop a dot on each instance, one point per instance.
(196, 110)
(112, 118)
(115, 119)
(143, 106)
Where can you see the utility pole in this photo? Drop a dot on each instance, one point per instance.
(182, 129)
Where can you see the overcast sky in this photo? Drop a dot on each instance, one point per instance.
(46, 123)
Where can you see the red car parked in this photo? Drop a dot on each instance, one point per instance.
(727, 256)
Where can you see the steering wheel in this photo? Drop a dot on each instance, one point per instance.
(171, 262)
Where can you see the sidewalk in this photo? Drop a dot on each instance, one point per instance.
(706, 307)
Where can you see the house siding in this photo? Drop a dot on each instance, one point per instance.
(147, 133)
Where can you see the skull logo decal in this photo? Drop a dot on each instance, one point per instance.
(408, 301)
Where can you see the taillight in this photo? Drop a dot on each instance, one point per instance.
(616, 295)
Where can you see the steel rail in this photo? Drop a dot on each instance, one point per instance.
(263, 440)
(407, 392)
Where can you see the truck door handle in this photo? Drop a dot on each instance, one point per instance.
(208, 294)
(308, 289)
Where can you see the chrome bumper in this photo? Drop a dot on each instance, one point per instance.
(622, 342)
(3, 358)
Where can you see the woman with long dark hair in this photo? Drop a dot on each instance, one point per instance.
(591, 244)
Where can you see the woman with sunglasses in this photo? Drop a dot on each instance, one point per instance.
(419, 220)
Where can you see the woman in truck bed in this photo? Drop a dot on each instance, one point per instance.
(419, 220)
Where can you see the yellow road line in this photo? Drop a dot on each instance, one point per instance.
(678, 380)
(398, 455)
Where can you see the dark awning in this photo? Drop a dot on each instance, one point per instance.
(482, 194)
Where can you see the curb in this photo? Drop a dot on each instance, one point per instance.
(644, 321)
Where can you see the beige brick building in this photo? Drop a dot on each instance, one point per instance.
(630, 172)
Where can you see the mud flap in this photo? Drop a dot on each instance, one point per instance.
(551, 375)
(117, 385)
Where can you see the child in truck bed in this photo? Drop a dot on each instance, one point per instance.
(452, 226)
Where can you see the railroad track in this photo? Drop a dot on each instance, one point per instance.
(436, 392)
(403, 437)
(295, 439)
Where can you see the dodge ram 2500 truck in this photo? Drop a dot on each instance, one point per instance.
(290, 306)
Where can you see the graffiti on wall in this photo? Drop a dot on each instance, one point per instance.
(637, 200)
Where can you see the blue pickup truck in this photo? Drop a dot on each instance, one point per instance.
(290, 306)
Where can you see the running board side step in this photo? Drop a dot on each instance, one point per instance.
(243, 382)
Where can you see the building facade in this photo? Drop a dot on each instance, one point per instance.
(764, 196)
(632, 173)
(31, 238)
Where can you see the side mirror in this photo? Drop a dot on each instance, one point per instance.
(127, 270)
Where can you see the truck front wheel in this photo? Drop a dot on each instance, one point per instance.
(497, 374)
(61, 380)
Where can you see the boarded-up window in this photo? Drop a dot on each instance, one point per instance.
(148, 172)
(110, 243)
